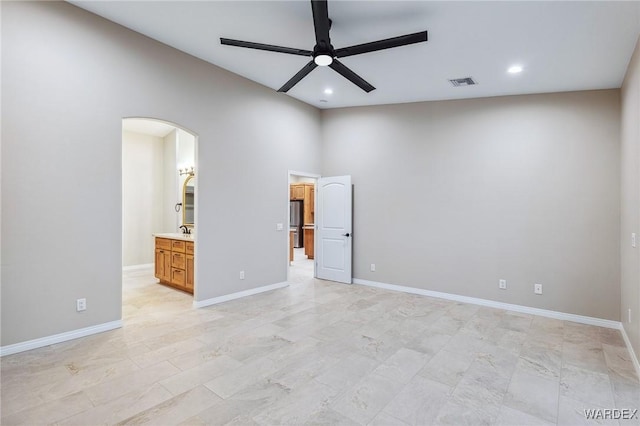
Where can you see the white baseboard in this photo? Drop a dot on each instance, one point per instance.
(238, 295)
(137, 267)
(59, 338)
(493, 304)
(634, 358)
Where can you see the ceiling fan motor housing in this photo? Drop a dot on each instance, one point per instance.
(323, 56)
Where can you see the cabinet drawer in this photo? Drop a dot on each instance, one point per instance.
(163, 243)
(177, 245)
(189, 247)
(178, 260)
(178, 276)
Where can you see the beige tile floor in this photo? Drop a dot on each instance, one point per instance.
(320, 353)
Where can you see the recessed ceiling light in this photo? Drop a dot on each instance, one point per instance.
(514, 69)
(328, 91)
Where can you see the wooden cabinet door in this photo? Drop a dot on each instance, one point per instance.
(291, 245)
(297, 192)
(159, 270)
(309, 193)
(163, 265)
(189, 278)
(308, 243)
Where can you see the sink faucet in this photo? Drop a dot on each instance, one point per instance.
(185, 229)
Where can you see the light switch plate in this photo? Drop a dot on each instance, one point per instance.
(279, 226)
(633, 240)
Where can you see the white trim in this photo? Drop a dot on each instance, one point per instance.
(59, 338)
(634, 358)
(238, 295)
(493, 304)
(303, 174)
(137, 267)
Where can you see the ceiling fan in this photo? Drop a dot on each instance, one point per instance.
(324, 54)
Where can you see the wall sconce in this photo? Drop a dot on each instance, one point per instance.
(187, 171)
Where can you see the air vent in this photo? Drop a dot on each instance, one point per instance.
(467, 81)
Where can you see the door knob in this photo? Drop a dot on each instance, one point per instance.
(346, 235)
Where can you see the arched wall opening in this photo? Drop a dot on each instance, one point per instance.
(158, 156)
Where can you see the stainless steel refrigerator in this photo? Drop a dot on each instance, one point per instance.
(295, 222)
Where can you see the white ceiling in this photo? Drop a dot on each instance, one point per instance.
(562, 45)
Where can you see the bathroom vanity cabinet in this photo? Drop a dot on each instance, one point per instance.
(174, 261)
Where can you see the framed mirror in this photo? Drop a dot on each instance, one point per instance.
(188, 195)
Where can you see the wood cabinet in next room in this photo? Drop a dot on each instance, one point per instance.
(174, 263)
(296, 191)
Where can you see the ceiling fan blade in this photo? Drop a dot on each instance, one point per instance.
(321, 23)
(341, 69)
(268, 47)
(382, 44)
(299, 76)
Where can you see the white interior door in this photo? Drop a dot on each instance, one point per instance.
(333, 233)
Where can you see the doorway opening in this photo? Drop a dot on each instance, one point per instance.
(159, 197)
(301, 241)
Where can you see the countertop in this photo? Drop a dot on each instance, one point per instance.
(175, 236)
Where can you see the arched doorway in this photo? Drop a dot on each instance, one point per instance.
(158, 162)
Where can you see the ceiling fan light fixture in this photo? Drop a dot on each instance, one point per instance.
(323, 59)
(323, 53)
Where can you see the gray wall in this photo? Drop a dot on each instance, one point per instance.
(452, 196)
(630, 163)
(68, 79)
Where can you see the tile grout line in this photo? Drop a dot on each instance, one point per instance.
(560, 373)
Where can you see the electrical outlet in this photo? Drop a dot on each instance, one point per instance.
(537, 288)
(81, 305)
(242, 275)
(502, 284)
(373, 267)
(279, 226)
